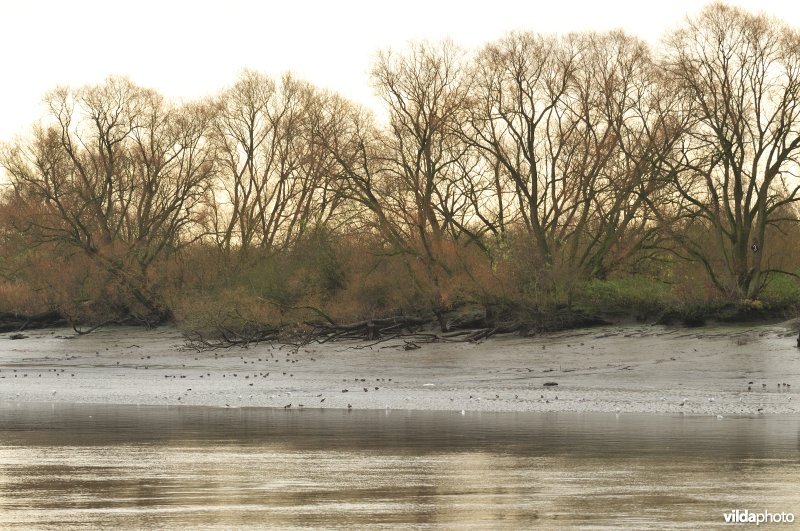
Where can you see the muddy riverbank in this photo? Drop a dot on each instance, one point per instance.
(721, 370)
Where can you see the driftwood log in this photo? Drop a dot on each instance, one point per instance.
(148, 321)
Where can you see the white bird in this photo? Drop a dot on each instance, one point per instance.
(463, 412)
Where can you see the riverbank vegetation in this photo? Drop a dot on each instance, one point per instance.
(540, 181)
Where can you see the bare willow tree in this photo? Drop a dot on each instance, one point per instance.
(739, 78)
(425, 93)
(119, 174)
(552, 115)
(631, 100)
(349, 134)
(273, 179)
(408, 175)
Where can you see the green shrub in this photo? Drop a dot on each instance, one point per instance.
(782, 291)
(635, 295)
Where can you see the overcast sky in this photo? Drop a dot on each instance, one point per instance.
(188, 49)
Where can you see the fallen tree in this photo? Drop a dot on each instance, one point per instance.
(409, 330)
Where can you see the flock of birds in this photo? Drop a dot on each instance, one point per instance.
(267, 363)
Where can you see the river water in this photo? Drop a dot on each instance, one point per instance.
(111, 466)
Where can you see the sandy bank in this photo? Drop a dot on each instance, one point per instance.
(704, 371)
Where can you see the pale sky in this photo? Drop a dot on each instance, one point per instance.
(189, 49)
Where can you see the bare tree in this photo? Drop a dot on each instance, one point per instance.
(552, 115)
(119, 174)
(410, 175)
(349, 134)
(423, 156)
(739, 78)
(272, 183)
(425, 93)
(630, 100)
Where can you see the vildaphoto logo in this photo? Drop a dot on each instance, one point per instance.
(746, 516)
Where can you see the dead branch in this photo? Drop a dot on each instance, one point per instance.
(411, 330)
(100, 325)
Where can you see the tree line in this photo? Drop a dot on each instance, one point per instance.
(535, 164)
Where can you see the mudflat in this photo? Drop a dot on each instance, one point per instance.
(717, 370)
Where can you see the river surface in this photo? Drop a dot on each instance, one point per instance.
(121, 466)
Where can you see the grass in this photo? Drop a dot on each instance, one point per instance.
(645, 298)
(782, 291)
(636, 296)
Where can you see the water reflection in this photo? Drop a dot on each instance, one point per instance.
(94, 466)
